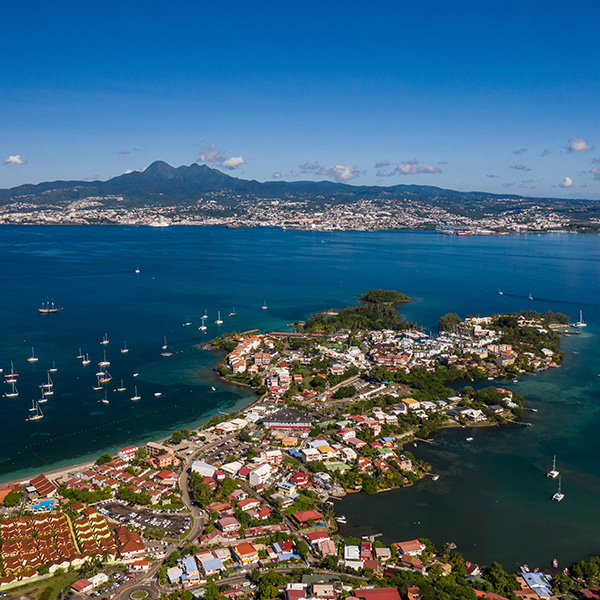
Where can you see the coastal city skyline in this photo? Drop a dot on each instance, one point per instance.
(498, 101)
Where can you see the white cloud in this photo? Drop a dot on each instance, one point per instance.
(566, 182)
(520, 151)
(276, 175)
(507, 185)
(520, 167)
(382, 163)
(15, 160)
(293, 173)
(596, 173)
(211, 154)
(233, 163)
(339, 172)
(578, 144)
(527, 181)
(131, 171)
(411, 168)
(307, 167)
(385, 174)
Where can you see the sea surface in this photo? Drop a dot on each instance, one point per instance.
(492, 498)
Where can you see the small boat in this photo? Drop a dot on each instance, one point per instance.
(435, 477)
(53, 369)
(559, 495)
(80, 356)
(33, 358)
(203, 326)
(86, 360)
(12, 376)
(98, 386)
(164, 346)
(124, 349)
(553, 472)
(264, 306)
(166, 354)
(105, 377)
(581, 322)
(341, 519)
(232, 313)
(490, 379)
(469, 439)
(515, 381)
(187, 322)
(219, 321)
(48, 384)
(104, 363)
(500, 293)
(37, 412)
(213, 388)
(137, 269)
(43, 398)
(122, 388)
(47, 393)
(530, 296)
(104, 339)
(555, 563)
(135, 374)
(14, 392)
(157, 394)
(105, 399)
(135, 395)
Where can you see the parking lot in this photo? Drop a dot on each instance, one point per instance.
(142, 519)
(220, 453)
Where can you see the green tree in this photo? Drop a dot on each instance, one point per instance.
(448, 322)
(12, 499)
(103, 459)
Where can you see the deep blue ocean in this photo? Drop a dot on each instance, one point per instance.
(492, 498)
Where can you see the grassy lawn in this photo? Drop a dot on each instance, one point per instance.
(47, 589)
(139, 595)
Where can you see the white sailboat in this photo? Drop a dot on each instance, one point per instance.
(137, 269)
(219, 321)
(49, 383)
(187, 322)
(581, 322)
(553, 472)
(99, 385)
(104, 363)
(14, 392)
(135, 396)
(53, 369)
(124, 349)
(264, 306)
(165, 351)
(530, 296)
(86, 360)
(105, 399)
(43, 398)
(559, 495)
(80, 356)
(203, 326)
(33, 358)
(37, 412)
(104, 339)
(232, 313)
(164, 346)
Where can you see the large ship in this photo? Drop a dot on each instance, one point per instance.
(48, 308)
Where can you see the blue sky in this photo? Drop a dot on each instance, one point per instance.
(502, 97)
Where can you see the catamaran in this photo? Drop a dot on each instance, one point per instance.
(14, 392)
(12, 376)
(135, 395)
(33, 358)
(219, 321)
(104, 339)
(124, 349)
(37, 412)
(553, 472)
(559, 495)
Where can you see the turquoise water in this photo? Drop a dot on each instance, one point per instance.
(492, 498)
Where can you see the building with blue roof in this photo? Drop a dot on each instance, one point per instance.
(212, 566)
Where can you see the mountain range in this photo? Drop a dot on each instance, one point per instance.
(163, 185)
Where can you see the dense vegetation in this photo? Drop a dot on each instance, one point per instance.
(369, 316)
(385, 297)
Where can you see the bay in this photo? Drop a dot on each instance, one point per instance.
(492, 498)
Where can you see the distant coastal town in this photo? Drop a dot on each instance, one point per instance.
(243, 506)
